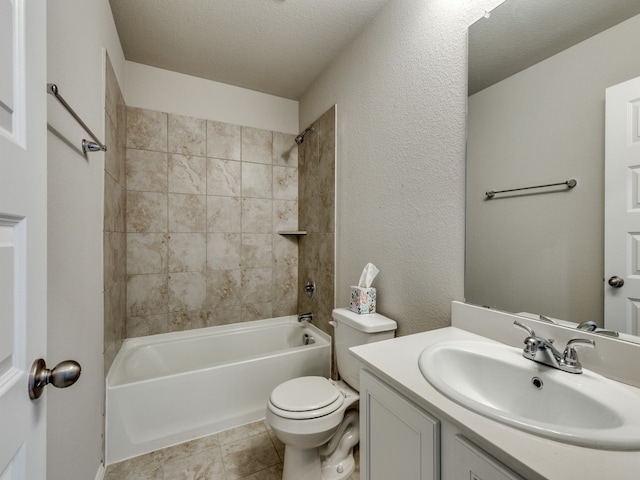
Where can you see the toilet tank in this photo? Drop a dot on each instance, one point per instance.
(352, 329)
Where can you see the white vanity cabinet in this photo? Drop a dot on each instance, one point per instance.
(399, 440)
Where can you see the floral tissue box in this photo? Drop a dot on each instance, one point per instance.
(363, 300)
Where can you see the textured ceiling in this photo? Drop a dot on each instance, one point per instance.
(272, 46)
(521, 33)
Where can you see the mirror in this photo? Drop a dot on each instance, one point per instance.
(538, 71)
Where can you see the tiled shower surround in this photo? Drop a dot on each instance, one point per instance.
(317, 193)
(114, 219)
(205, 201)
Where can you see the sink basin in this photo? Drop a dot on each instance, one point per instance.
(494, 380)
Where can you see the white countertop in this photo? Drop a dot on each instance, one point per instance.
(396, 362)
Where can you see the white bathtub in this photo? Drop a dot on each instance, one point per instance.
(166, 389)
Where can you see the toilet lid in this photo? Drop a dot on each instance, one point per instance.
(307, 394)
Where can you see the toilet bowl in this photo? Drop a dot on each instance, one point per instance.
(317, 418)
(310, 412)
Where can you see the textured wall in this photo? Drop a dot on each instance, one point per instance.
(400, 89)
(205, 201)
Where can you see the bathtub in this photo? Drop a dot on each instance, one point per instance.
(166, 389)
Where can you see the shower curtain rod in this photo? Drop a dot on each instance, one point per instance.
(97, 145)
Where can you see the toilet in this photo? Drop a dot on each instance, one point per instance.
(316, 417)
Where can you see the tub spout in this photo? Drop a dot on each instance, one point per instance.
(305, 317)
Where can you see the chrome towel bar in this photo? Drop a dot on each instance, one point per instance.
(569, 183)
(87, 146)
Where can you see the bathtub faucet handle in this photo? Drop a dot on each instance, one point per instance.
(305, 317)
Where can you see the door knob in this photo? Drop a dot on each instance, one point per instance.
(616, 281)
(62, 375)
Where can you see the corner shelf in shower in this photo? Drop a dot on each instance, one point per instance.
(292, 232)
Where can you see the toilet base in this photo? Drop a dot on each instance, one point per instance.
(302, 464)
(331, 461)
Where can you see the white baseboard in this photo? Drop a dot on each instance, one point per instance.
(100, 472)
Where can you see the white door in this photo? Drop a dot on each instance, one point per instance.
(622, 208)
(23, 235)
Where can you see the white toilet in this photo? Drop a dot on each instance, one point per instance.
(311, 415)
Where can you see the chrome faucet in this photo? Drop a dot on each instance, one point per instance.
(542, 351)
(305, 317)
(591, 326)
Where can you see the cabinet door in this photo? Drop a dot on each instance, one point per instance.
(398, 440)
(474, 464)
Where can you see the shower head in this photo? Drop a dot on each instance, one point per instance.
(300, 138)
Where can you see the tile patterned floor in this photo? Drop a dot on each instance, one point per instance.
(250, 452)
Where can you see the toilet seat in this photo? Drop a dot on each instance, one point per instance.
(305, 398)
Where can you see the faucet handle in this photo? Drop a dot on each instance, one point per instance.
(570, 356)
(528, 329)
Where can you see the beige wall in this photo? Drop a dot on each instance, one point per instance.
(157, 89)
(78, 31)
(205, 201)
(400, 89)
(544, 253)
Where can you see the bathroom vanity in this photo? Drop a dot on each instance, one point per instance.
(410, 430)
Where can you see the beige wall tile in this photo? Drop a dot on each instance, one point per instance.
(223, 288)
(327, 212)
(146, 253)
(187, 174)
(146, 212)
(285, 251)
(224, 316)
(180, 321)
(147, 325)
(187, 291)
(224, 214)
(257, 145)
(257, 311)
(285, 149)
(187, 213)
(256, 285)
(224, 177)
(285, 284)
(285, 183)
(110, 207)
(257, 215)
(111, 161)
(187, 252)
(146, 170)
(223, 140)
(146, 129)
(285, 215)
(257, 180)
(285, 307)
(257, 250)
(187, 135)
(224, 251)
(146, 294)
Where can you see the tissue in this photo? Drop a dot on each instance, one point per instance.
(363, 296)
